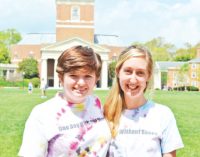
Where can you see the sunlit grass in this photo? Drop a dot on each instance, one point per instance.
(16, 105)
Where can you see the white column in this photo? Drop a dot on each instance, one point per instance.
(7, 74)
(157, 79)
(44, 71)
(56, 80)
(104, 75)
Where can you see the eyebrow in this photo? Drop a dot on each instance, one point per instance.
(130, 67)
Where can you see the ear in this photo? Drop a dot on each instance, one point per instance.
(149, 77)
(97, 79)
(61, 78)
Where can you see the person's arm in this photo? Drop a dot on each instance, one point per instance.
(34, 142)
(170, 154)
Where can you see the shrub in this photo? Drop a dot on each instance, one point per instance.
(36, 82)
(192, 88)
(4, 83)
(188, 88)
(29, 67)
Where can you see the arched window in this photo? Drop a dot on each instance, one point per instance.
(75, 13)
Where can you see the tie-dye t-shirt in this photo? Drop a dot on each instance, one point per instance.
(148, 131)
(57, 128)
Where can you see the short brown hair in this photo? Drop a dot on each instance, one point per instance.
(79, 57)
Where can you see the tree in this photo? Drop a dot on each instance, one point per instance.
(7, 38)
(187, 53)
(183, 74)
(29, 67)
(4, 54)
(182, 55)
(160, 50)
(111, 72)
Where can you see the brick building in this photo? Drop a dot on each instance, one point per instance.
(171, 70)
(74, 26)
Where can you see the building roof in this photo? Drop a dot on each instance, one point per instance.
(164, 65)
(37, 39)
(196, 60)
(50, 38)
(105, 39)
(75, 1)
(8, 66)
(65, 44)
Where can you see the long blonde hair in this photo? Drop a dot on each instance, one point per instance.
(115, 102)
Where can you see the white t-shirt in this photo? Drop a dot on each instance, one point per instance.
(148, 131)
(57, 128)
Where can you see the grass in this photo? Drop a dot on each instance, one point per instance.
(16, 105)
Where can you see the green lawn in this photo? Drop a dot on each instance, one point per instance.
(16, 105)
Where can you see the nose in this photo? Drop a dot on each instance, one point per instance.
(81, 81)
(133, 78)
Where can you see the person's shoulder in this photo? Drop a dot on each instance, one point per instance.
(162, 109)
(45, 106)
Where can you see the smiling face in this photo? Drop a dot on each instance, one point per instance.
(133, 77)
(78, 70)
(78, 85)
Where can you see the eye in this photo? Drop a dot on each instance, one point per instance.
(72, 76)
(140, 73)
(88, 76)
(128, 71)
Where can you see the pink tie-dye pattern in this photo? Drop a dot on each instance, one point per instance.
(58, 114)
(98, 103)
(74, 145)
(81, 134)
(63, 110)
(70, 104)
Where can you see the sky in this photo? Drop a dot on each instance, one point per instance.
(177, 21)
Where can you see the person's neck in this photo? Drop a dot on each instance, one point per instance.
(70, 101)
(134, 103)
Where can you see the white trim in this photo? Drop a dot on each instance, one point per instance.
(81, 21)
(104, 75)
(56, 79)
(16, 60)
(76, 3)
(75, 26)
(8, 66)
(97, 48)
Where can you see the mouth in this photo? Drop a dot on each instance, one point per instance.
(81, 91)
(133, 89)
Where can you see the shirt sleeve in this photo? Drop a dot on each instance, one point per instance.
(34, 143)
(171, 139)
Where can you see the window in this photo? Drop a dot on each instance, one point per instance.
(4, 73)
(194, 83)
(75, 13)
(174, 76)
(11, 71)
(31, 54)
(194, 66)
(16, 56)
(194, 75)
